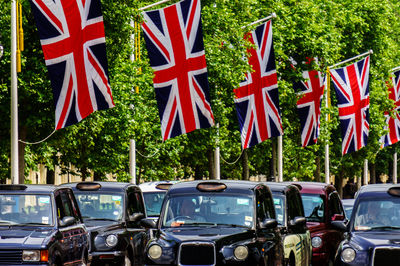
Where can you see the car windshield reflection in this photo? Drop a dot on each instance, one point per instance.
(377, 215)
(26, 209)
(100, 206)
(209, 210)
(313, 207)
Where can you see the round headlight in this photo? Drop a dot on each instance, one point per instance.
(111, 240)
(241, 252)
(348, 255)
(155, 252)
(316, 242)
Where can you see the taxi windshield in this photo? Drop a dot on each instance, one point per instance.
(209, 209)
(26, 209)
(314, 207)
(279, 203)
(153, 201)
(100, 206)
(377, 214)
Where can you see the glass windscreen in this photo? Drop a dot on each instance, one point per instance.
(26, 209)
(100, 206)
(377, 214)
(314, 207)
(153, 201)
(279, 203)
(209, 209)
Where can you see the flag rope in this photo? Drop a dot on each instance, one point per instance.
(240, 156)
(40, 141)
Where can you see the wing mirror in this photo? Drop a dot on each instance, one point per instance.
(298, 220)
(67, 221)
(136, 217)
(148, 223)
(268, 223)
(340, 225)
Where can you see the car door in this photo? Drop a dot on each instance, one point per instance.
(137, 233)
(70, 249)
(335, 209)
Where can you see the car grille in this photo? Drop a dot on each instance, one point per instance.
(10, 256)
(386, 256)
(197, 253)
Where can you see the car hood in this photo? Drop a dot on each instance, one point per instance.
(16, 237)
(369, 239)
(222, 235)
(101, 227)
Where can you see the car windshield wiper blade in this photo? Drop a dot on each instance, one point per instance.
(386, 227)
(199, 223)
(23, 224)
(101, 219)
(234, 225)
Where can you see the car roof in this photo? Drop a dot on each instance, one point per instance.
(27, 188)
(105, 185)
(232, 186)
(372, 190)
(151, 186)
(280, 187)
(313, 187)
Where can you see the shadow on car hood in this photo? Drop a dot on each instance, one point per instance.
(376, 238)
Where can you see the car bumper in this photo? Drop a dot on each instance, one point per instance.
(320, 259)
(107, 258)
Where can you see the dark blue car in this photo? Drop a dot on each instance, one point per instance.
(373, 236)
(41, 225)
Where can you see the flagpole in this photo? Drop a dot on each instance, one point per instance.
(395, 168)
(152, 5)
(216, 157)
(353, 58)
(273, 15)
(132, 161)
(14, 96)
(280, 159)
(365, 172)
(327, 96)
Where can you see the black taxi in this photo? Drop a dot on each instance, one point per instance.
(114, 213)
(373, 232)
(41, 225)
(216, 223)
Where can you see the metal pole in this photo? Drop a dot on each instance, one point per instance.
(355, 57)
(395, 168)
(280, 161)
(216, 157)
(155, 4)
(365, 172)
(132, 161)
(273, 15)
(327, 173)
(14, 96)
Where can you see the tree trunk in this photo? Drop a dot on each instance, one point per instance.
(97, 176)
(197, 175)
(21, 155)
(273, 160)
(245, 166)
(50, 177)
(339, 182)
(373, 174)
(317, 173)
(84, 173)
(211, 164)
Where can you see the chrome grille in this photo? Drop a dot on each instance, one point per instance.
(10, 256)
(196, 253)
(384, 256)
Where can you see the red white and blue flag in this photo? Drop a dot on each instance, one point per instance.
(351, 85)
(310, 90)
(174, 41)
(73, 43)
(393, 123)
(257, 99)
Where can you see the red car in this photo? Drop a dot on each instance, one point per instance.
(322, 205)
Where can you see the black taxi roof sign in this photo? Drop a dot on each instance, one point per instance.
(164, 186)
(211, 186)
(88, 186)
(394, 191)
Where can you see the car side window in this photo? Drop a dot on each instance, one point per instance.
(135, 202)
(265, 208)
(64, 207)
(74, 206)
(295, 206)
(335, 206)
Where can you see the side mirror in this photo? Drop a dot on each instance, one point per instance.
(136, 217)
(337, 217)
(148, 223)
(67, 221)
(340, 225)
(298, 220)
(268, 223)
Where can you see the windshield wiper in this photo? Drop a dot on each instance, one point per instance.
(199, 223)
(101, 219)
(387, 227)
(234, 225)
(23, 224)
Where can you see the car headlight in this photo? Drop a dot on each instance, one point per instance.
(348, 255)
(111, 240)
(316, 242)
(31, 255)
(241, 252)
(155, 252)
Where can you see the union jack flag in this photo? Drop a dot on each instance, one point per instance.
(311, 90)
(73, 42)
(175, 47)
(393, 123)
(256, 99)
(352, 92)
